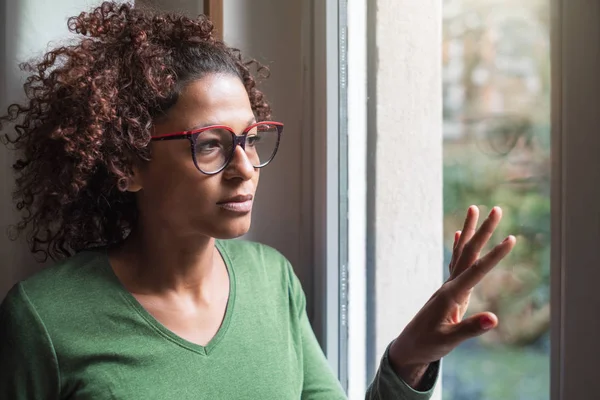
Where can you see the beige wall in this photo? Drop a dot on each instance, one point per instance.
(26, 29)
(190, 7)
(407, 189)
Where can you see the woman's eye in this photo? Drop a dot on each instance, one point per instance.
(252, 140)
(208, 146)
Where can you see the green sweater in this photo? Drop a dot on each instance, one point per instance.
(73, 331)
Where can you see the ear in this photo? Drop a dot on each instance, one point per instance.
(134, 181)
(131, 183)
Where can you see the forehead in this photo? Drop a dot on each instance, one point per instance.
(215, 98)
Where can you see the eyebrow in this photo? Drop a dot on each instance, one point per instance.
(200, 126)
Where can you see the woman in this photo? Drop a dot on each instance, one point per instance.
(140, 152)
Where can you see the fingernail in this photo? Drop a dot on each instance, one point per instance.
(486, 323)
(506, 240)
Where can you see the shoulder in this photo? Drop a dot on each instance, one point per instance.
(60, 286)
(65, 275)
(257, 261)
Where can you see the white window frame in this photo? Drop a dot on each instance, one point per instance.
(334, 87)
(322, 159)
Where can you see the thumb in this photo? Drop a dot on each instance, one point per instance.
(473, 326)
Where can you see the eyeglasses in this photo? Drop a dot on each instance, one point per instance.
(213, 146)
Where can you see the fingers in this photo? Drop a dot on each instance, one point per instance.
(465, 235)
(468, 228)
(454, 253)
(456, 238)
(473, 275)
(472, 327)
(478, 240)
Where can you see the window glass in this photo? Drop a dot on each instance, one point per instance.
(496, 115)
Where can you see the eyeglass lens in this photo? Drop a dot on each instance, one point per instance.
(214, 147)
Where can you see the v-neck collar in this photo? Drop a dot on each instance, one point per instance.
(168, 334)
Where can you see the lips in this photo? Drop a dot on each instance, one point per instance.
(239, 204)
(240, 198)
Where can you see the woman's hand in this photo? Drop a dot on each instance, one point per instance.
(439, 326)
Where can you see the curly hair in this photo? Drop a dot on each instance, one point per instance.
(88, 117)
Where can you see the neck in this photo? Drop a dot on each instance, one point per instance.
(159, 260)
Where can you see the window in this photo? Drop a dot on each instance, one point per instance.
(528, 126)
(496, 135)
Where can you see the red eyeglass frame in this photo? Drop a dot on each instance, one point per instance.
(192, 136)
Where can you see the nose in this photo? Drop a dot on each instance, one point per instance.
(239, 166)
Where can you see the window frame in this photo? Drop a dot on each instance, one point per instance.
(322, 160)
(575, 198)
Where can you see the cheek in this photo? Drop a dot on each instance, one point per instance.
(173, 181)
(172, 159)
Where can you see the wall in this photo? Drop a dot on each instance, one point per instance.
(405, 162)
(189, 7)
(27, 27)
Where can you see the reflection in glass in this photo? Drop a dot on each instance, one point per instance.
(496, 71)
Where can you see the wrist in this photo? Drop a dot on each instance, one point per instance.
(412, 373)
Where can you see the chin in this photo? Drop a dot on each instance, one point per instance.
(233, 229)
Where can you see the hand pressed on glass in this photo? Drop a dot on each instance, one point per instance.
(439, 326)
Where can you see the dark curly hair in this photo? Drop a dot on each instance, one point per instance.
(88, 117)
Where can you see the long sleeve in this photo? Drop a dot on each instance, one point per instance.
(320, 382)
(28, 365)
(387, 385)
